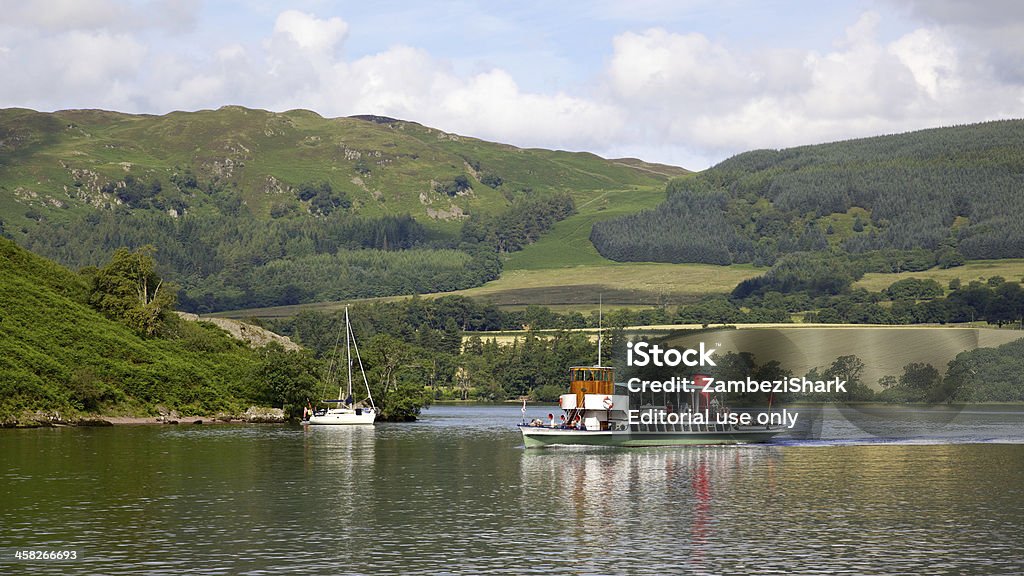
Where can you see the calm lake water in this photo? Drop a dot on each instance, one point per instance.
(456, 493)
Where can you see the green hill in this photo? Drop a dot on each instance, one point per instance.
(953, 192)
(59, 163)
(254, 208)
(59, 354)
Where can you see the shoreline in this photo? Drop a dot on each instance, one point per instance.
(40, 420)
(253, 415)
(110, 421)
(154, 420)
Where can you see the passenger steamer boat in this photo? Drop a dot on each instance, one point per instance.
(594, 413)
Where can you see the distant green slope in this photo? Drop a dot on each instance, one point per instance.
(253, 208)
(568, 243)
(956, 192)
(58, 163)
(59, 354)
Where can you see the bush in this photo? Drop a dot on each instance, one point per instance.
(914, 289)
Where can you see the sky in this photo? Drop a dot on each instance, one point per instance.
(684, 82)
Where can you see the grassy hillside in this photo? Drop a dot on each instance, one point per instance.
(59, 163)
(252, 208)
(291, 211)
(59, 354)
(568, 243)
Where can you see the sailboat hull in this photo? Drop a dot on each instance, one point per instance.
(343, 417)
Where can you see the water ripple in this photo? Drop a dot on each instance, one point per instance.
(456, 494)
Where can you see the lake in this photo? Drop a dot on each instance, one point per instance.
(862, 490)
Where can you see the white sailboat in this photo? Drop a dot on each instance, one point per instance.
(345, 410)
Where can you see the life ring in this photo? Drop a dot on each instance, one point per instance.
(608, 402)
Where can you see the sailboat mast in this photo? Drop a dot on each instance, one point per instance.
(348, 354)
(600, 326)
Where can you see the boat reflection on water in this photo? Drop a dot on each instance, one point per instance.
(615, 498)
(342, 451)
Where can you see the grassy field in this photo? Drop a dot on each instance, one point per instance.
(884, 349)
(1010, 269)
(618, 285)
(567, 244)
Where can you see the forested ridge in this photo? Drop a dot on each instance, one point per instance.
(249, 208)
(956, 192)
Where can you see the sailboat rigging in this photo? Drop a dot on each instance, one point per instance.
(346, 410)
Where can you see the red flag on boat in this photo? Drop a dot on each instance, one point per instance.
(700, 381)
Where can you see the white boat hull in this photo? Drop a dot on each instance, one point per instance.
(539, 437)
(342, 416)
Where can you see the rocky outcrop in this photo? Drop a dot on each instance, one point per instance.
(254, 336)
(260, 415)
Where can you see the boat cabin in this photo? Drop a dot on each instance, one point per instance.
(591, 380)
(591, 403)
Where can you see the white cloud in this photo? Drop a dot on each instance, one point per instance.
(661, 95)
(686, 90)
(98, 67)
(931, 60)
(398, 82)
(493, 102)
(309, 32)
(300, 67)
(655, 63)
(60, 15)
(57, 16)
(88, 60)
(993, 13)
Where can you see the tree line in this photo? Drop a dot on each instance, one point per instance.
(226, 258)
(429, 334)
(979, 375)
